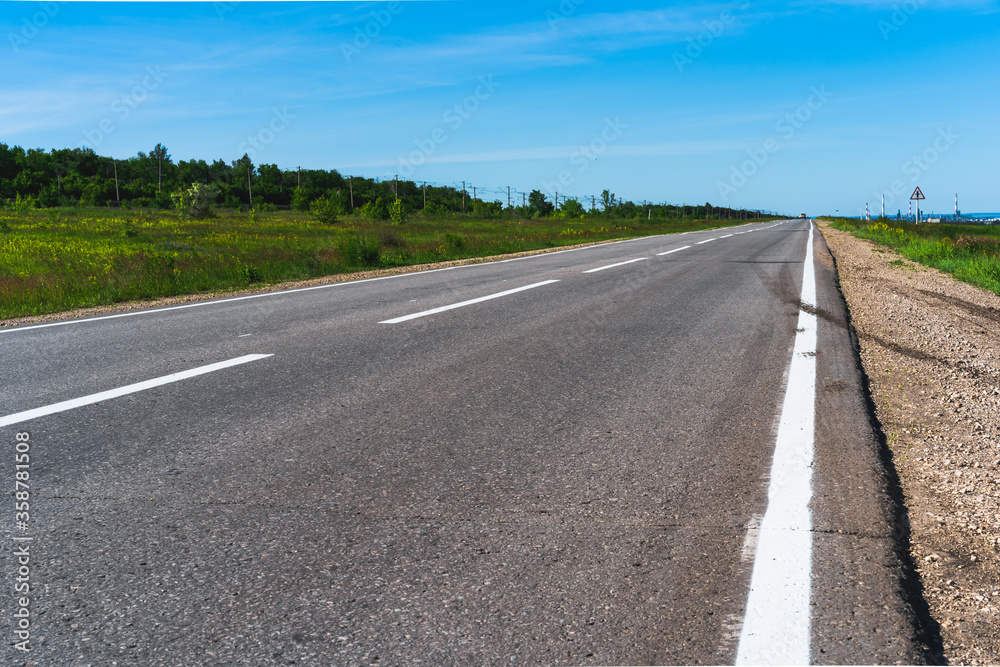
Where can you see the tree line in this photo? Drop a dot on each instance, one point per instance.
(81, 177)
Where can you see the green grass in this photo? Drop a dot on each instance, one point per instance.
(970, 253)
(53, 260)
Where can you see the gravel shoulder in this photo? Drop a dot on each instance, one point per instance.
(930, 346)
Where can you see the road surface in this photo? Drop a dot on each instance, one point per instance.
(563, 459)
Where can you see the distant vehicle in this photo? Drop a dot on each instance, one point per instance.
(802, 215)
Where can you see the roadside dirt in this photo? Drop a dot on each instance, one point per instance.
(930, 346)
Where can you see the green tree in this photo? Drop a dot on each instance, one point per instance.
(608, 200)
(539, 205)
(572, 208)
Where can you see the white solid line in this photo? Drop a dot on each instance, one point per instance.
(776, 626)
(726, 236)
(442, 309)
(705, 241)
(611, 266)
(19, 417)
(660, 254)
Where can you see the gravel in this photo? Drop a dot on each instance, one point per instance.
(931, 350)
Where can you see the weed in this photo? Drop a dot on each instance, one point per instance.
(360, 250)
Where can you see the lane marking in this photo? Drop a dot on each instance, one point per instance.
(442, 309)
(54, 408)
(776, 626)
(660, 254)
(215, 302)
(611, 266)
(726, 236)
(706, 241)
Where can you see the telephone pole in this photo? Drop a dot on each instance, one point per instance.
(425, 194)
(117, 196)
(463, 196)
(350, 184)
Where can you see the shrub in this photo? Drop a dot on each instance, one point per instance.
(375, 210)
(196, 201)
(325, 210)
(397, 212)
(487, 210)
(454, 241)
(300, 200)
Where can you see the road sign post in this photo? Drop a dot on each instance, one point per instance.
(917, 196)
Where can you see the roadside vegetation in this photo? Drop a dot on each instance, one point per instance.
(970, 253)
(78, 229)
(59, 259)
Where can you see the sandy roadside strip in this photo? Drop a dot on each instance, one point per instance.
(930, 346)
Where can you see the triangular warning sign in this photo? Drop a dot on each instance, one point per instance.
(917, 194)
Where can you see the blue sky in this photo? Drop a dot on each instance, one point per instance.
(802, 106)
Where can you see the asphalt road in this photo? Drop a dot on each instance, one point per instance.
(572, 473)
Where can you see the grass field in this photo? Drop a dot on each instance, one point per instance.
(53, 260)
(970, 253)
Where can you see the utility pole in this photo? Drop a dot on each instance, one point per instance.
(350, 184)
(524, 201)
(300, 178)
(249, 188)
(883, 207)
(557, 202)
(117, 196)
(508, 198)
(395, 187)
(425, 194)
(473, 193)
(463, 196)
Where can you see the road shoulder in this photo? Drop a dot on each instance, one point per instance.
(929, 348)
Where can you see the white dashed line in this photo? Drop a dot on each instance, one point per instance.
(611, 266)
(660, 254)
(442, 309)
(27, 415)
(705, 241)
